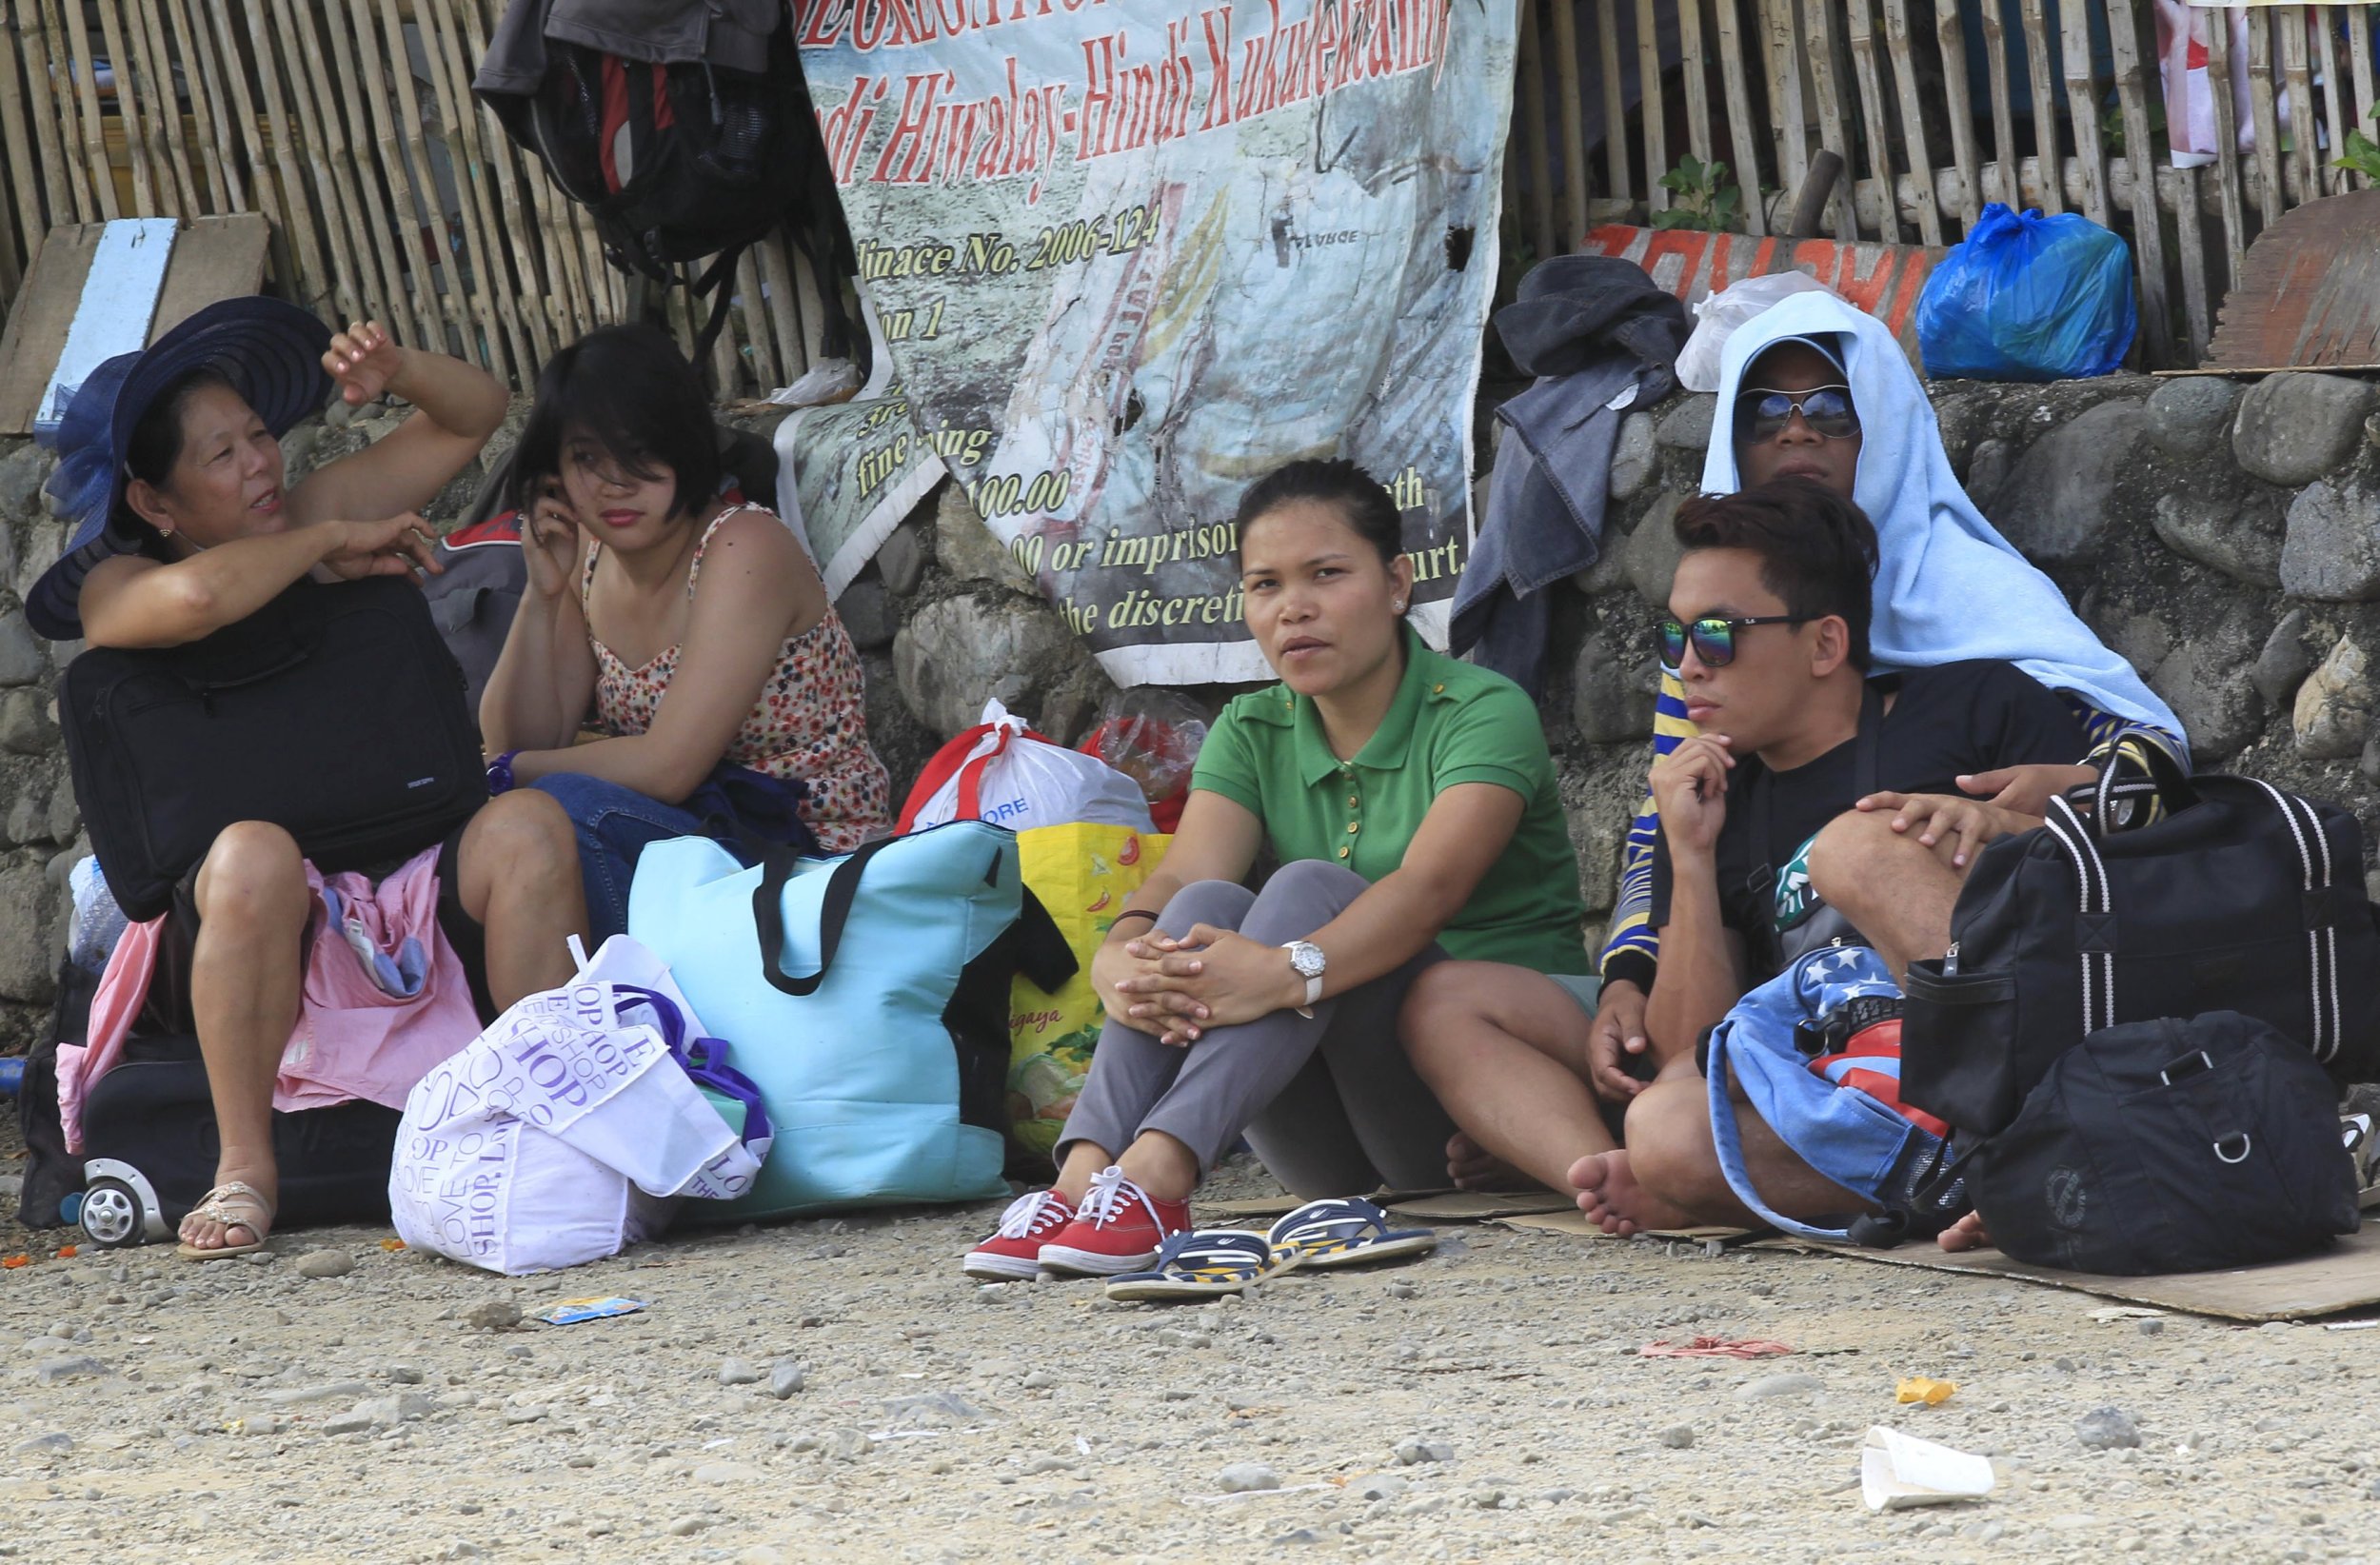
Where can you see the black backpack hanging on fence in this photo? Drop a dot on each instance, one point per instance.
(334, 712)
(684, 127)
(2239, 898)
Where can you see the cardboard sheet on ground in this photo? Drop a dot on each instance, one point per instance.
(1409, 1205)
(1479, 1205)
(1574, 1222)
(2346, 1278)
(1268, 1207)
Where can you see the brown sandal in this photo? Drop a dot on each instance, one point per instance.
(233, 1204)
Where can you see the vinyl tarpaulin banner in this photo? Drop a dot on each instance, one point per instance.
(1128, 257)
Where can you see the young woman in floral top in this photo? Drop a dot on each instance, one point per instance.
(645, 584)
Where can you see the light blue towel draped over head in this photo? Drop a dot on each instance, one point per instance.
(1949, 588)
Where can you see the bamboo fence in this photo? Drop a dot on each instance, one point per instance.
(392, 192)
(1889, 86)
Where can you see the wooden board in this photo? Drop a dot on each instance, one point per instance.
(2309, 292)
(1884, 279)
(119, 300)
(2346, 1278)
(213, 258)
(45, 309)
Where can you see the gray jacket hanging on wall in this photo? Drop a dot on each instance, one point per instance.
(1602, 338)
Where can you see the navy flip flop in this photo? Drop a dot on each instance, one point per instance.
(1344, 1231)
(1203, 1263)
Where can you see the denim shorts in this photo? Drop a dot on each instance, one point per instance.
(1586, 991)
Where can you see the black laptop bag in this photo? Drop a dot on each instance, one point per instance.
(335, 711)
(2238, 896)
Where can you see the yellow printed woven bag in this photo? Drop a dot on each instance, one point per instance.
(1084, 874)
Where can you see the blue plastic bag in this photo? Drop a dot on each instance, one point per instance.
(2029, 298)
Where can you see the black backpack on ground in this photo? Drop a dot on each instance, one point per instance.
(2239, 898)
(335, 712)
(684, 129)
(2170, 1147)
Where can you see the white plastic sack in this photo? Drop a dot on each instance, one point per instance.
(566, 1130)
(1717, 318)
(1007, 777)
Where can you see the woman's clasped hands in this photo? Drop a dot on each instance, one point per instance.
(1174, 988)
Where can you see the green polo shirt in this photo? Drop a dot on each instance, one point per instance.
(1450, 722)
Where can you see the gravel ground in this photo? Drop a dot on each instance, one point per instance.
(1486, 1402)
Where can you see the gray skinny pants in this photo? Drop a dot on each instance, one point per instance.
(1331, 1105)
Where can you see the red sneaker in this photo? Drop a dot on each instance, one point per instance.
(1015, 1251)
(1118, 1229)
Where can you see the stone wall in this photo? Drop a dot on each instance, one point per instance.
(38, 823)
(2225, 539)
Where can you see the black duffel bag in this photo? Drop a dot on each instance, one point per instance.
(2238, 896)
(2170, 1147)
(334, 712)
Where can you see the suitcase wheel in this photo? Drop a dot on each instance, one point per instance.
(119, 1209)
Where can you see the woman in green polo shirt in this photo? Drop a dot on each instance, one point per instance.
(1412, 806)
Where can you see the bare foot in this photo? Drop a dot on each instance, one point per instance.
(1966, 1234)
(1608, 1192)
(1471, 1166)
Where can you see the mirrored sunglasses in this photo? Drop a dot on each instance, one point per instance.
(1714, 639)
(1762, 415)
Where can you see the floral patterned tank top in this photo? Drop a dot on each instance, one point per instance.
(809, 724)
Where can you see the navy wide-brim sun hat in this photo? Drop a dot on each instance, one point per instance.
(272, 352)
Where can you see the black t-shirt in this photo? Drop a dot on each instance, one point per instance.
(1948, 722)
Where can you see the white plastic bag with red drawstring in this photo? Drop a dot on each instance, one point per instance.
(1005, 773)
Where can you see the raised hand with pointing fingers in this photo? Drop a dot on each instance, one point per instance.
(365, 360)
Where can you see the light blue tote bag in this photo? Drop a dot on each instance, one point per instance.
(832, 981)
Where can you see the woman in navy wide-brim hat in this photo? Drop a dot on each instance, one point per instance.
(170, 467)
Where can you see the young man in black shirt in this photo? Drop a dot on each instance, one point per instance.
(1813, 801)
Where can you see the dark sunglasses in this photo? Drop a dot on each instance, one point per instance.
(1762, 415)
(1714, 639)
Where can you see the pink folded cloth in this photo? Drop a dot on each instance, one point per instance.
(384, 998)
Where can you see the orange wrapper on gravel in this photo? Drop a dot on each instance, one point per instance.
(13, 1262)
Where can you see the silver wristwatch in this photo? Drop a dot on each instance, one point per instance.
(1308, 961)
